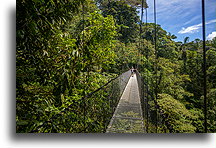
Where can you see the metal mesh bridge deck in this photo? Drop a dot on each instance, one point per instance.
(128, 116)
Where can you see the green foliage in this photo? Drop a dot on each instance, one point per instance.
(211, 110)
(126, 19)
(59, 61)
(67, 49)
(169, 79)
(178, 118)
(177, 72)
(197, 119)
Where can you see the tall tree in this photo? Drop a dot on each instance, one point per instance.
(126, 18)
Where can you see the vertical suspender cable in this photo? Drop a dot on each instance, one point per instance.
(141, 17)
(83, 38)
(156, 54)
(204, 67)
(146, 111)
(142, 84)
(146, 15)
(147, 106)
(155, 27)
(141, 21)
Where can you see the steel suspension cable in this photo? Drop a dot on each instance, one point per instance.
(66, 109)
(204, 67)
(83, 39)
(146, 87)
(140, 42)
(141, 47)
(141, 18)
(156, 55)
(146, 15)
(155, 28)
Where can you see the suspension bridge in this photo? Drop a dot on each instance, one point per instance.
(129, 107)
(126, 108)
(128, 114)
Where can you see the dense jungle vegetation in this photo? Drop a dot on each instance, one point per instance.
(66, 49)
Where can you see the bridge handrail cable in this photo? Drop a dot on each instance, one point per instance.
(123, 77)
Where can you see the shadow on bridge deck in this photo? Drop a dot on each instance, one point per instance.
(128, 114)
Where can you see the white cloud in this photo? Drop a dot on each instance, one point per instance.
(211, 21)
(190, 29)
(211, 35)
(194, 28)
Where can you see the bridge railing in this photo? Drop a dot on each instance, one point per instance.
(143, 99)
(92, 113)
(103, 103)
(154, 118)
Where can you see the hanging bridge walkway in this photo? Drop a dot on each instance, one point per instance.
(128, 116)
(125, 109)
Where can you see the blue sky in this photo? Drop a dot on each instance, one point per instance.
(183, 18)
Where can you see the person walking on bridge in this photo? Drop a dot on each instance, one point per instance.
(132, 71)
